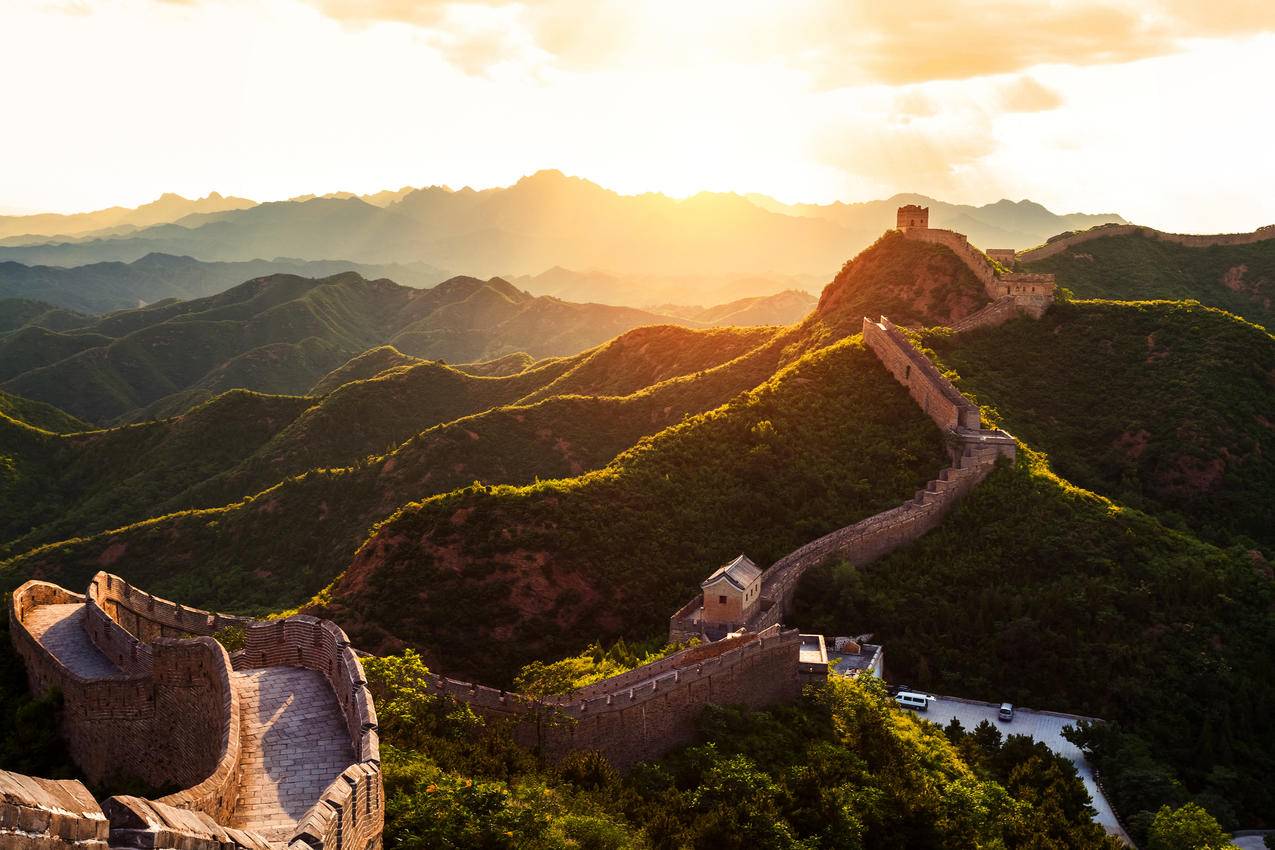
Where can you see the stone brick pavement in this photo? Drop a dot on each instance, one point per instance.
(295, 743)
(61, 630)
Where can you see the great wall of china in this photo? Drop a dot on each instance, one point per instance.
(974, 453)
(276, 744)
(1061, 243)
(1011, 293)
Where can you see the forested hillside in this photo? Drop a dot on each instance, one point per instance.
(282, 334)
(1160, 405)
(1236, 278)
(1037, 592)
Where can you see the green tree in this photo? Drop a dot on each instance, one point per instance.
(1187, 828)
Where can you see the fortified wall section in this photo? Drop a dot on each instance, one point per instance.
(933, 393)
(167, 710)
(49, 813)
(997, 313)
(1031, 293)
(651, 710)
(974, 455)
(1061, 243)
(166, 725)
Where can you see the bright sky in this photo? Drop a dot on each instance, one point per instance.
(1161, 110)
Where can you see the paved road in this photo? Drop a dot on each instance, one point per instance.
(1249, 842)
(1040, 726)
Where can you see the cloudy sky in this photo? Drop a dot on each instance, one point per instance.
(1162, 110)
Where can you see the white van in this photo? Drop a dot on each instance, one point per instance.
(910, 699)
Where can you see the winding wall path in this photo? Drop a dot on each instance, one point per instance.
(275, 745)
(1061, 243)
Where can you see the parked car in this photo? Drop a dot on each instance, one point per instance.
(913, 700)
(1006, 713)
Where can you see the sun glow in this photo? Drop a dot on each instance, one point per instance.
(123, 101)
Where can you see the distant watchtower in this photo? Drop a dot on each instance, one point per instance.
(913, 216)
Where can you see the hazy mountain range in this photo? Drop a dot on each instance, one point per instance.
(103, 287)
(282, 333)
(544, 220)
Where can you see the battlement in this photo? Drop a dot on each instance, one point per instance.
(1031, 293)
(144, 698)
(975, 452)
(645, 712)
(913, 216)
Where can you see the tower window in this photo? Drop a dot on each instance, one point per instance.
(721, 600)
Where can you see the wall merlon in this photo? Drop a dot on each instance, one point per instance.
(172, 716)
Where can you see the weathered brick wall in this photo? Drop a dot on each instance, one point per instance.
(997, 313)
(149, 617)
(40, 814)
(155, 825)
(175, 724)
(197, 725)
(172, 716)
(935, 395)
(349, 815)
(1057, 246)
(644, 713)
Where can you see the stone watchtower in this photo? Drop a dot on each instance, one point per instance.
(912, 216)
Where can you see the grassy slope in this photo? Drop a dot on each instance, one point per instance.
(165, 350)
(366, 365)
(509, 364)
(1163, 406)
(37, 414)
(1043, 594)
(1236, 278)
(649, 355)
(103, 478)
(914, 283)
(485, 579)
(281, 547)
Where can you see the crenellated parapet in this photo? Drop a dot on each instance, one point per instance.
(974, 453)
(644, 713)
(1030, 294)
(148, 693)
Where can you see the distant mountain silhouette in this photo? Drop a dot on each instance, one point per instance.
(549, 219)
(102, 287)
(168, 207)
(1004, 224)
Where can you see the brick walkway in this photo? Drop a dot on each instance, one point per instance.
(295, 743)
(60, 628)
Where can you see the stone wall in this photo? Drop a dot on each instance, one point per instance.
(148, 617)
(1032, 293)
(936, 396)
(1062, 243)
(170, 724)
(38, 814)
(997, 313)
(645, 713)
(974, 454)
(171, 716)
(155, 825)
